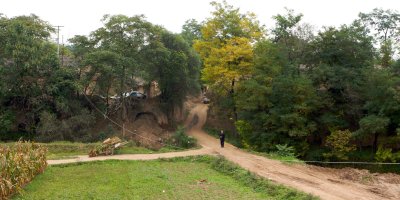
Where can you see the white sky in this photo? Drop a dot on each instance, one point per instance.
(80, 17)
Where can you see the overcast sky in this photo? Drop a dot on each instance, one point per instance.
(80, 17)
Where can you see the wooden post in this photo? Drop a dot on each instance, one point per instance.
(123, 129)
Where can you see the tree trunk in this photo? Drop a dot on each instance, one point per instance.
(375, 145)
(235, 115)
(123, 113)
(107, 95)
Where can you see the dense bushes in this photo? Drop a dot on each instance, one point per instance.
(18, 165)
(339, 144)
(332, 90)
(180, 139)
(75, 128)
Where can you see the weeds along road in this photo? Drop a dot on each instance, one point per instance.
(327, 183)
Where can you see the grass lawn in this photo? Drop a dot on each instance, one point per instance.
(66, 150)
(201, 177)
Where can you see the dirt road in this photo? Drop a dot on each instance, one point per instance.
(85, 158)
(330, 184)
(327, 183)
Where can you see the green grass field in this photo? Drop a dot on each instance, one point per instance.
(201, 177)
(66, 150)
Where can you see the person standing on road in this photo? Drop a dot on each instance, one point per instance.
(222, 138)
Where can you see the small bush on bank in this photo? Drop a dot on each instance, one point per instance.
(285, 150)
(19, 163)
(180, 139)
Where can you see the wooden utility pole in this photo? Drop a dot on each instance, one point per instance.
(58, 40)
(62, 52)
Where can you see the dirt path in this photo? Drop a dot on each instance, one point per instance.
(324, 182)
(330, 184)
(196, 152)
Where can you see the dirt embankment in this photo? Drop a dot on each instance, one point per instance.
(146, 131)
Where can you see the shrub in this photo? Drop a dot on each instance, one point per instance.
(18, 165)
(285, 150)
(386, 155)
(315, 153)
(339, 144)
(74, 128)
(180, 139)
(7, 119)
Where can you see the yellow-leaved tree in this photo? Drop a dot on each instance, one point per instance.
(226, 48)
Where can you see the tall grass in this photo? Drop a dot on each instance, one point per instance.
(19, 163)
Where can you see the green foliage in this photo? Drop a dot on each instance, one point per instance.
(26, 56)
(7, 119)
(384, 25)
(245, 130)
(176, 70)
(386, 155)
(382, 103)
(191, 31)
(277, 103)
(291, 89)
(284, 24)
(108, 132)
(74, 128)
(19, 164)
(27, 60)
(339, 144)
(285, 150)
(383, 155)
(180, 139)
(293, 37)
(373, 124)
(107, 68)
(317, 153)
(112, 59)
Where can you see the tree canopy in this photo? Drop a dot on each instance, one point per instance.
(320, 93)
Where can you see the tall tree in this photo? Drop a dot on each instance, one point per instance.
(294, 38)
(128, 48)
(104, 69)
(191, 31)
(226, 49)
(27, 59)
(385, 25)
(126, 37)
(175, 66)
(339, 58)
(382, 105)
(275, 105)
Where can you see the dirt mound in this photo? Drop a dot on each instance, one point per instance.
(357, 175)
(390, 178)
(147, 132)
